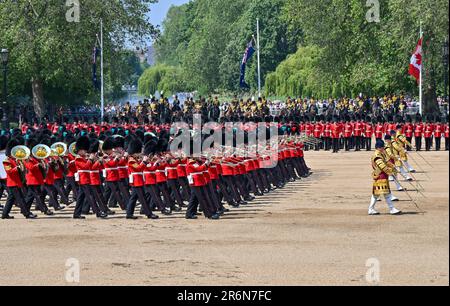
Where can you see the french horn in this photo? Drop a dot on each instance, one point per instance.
(41, 151)
(20, 152)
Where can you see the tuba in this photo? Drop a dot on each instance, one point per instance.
(41, 151)
(72, 149)
(20, 153)
(59, 149)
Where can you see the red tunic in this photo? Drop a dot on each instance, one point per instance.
(111, 170)
(83, 170)
(418, 130)
(136, 173)
(96, 168)
(12, 173)
(34, 175)
(195, 173)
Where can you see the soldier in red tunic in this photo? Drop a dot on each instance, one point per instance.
(438, 131)
(15, 171)
(418, 132)
(136, 168)
(428, 133)
(83, 176)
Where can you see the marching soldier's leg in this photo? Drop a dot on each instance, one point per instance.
(124, 190)
(191, 212)
(102, 204)
(131, 206)
(156, 198)
(392, 209)
(438, 143)
(447, 143)
(35, 193)
(53, 197)
(184, 188)
(167, 198)
(59, 186)
(10, 200)
(373, 203)
(145, 205)
(20, 201)
(224, 190)
(175, 191)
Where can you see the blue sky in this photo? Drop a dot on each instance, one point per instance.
(160, 9)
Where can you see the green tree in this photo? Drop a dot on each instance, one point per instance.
(48, 52)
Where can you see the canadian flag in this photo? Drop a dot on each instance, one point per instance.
(415, 66)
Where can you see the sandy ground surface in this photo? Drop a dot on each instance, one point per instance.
(313, 232)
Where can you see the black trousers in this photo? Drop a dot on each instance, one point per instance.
(199, 196)
(167, 199)
(112, 191)
(447, 143)
(418, 143)
(72, 186)
(225, 192)
(230, 183)
(438, 143)
(408, 148)
(174, 188)
(59, 186)
(368, 143)
(153, 197)
(85, 196)
(36, 193)
(335, 145)
(137, 193)
(15, 196)
(428, 143)
(99, 198)
(2, 187)
(185, 189)
(52, 193)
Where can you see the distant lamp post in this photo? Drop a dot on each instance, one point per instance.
(445, 62)
(4, 56)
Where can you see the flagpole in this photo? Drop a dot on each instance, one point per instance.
(421, 78)
(259, 58)
(101, 71)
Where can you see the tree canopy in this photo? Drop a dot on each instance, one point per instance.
(345, 53)
(50, 57)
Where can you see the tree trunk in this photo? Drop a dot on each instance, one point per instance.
(38, 97)
(430, 97)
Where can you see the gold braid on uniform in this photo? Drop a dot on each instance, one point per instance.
(381, 171)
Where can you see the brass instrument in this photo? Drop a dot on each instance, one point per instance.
(59, 148)
(21, 153)
(72, 149)
(41, 151)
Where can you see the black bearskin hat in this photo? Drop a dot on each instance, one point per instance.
(3, 142)
(134, 147)
(109, 144)
(10, 145)
(94, 146)
(83, 143)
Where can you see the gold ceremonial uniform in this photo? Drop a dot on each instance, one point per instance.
(382, 169)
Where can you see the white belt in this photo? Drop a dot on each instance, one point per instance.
(137, 173)
(170, 168)
(112, 169)
(196, 173)
(160, 171)
(84, 171)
